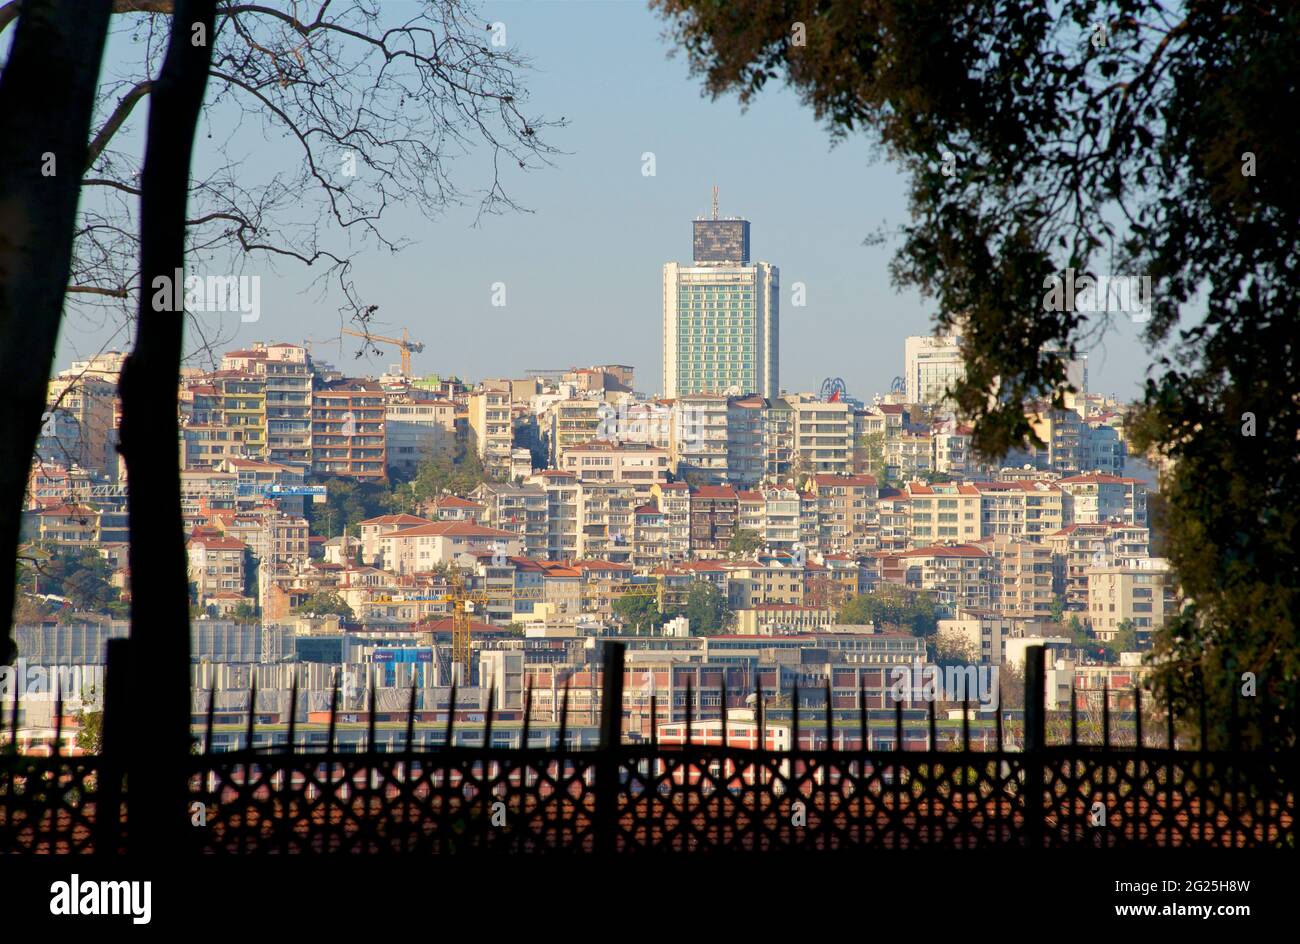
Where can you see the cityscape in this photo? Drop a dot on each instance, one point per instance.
(450, 428)
(728, 531)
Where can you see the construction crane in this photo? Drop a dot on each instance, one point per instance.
(466, 602)
(403, 344)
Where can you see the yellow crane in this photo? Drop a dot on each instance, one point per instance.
(465, 602)
(403, 344)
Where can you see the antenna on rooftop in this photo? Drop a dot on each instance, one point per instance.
(715, 201)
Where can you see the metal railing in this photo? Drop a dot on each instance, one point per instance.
(735, 792)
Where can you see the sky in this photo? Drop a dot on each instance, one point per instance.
(583, 268)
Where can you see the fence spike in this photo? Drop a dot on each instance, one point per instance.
(1137, 715)
(58, 711)
(410, 717)
(370, 710)
(13, 719)
(487, 721)
(724, 709)
(654, 722)
(528, 708)
(334, 710)
(212, 710)
(898, 722)
(450, 730)
(965, 723)
(997, 725)
(830, 725)
(862, 715)
(794, 716)
(564, 717)
(1234, 722)
(690, 711)
(293, 711)
(1105, 715)
(933, 710)
(760, 721)
(1074, 714)
(252, 712)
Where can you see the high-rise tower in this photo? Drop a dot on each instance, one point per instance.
(720, 315)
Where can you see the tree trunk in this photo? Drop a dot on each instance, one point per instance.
(160, 631)
(47, 95)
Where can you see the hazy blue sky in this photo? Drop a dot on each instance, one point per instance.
(583, 270)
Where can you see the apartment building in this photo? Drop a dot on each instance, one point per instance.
(415, 430)
(1077, 547)
(823, 435)
(348, 430)
(606, 520)
(943, 512)
(216, 564)
(1097, 497)
(1062, 435)
(519, 509)
(1144, 594)
(634, 464)
(959, 575)
(73, 525)
(713, 512)
(846, 512)
(373, 529)
(649, 537)
(674, 502)
(931, 365)
(417, 549)
(1025, 577)
(78, 425)
(569, 423)
(491, 429)
(1021, 509)
(700, 438)
(747, 431)
(909, 454)
(288, 390)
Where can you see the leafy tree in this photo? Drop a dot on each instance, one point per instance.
(90, 731)
(638, 611)
(953, 648)
(1058, 610)
(707, 609)
(325, 603)
(244, 612)
(893, 605)
(873, 446)
(745, 542)
(1104, 137)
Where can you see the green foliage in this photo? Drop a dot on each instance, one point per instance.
(325, 603)
(1030, 148)
(707, 609)
(639, 612)
(745, 542)
(81, 575)
(895, 606)
(348, 503)
(1058, 610)
(244, 612)
(90, 731)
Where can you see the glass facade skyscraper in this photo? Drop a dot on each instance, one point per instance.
(720, 316)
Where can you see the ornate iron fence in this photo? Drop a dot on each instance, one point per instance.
(686, 797)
